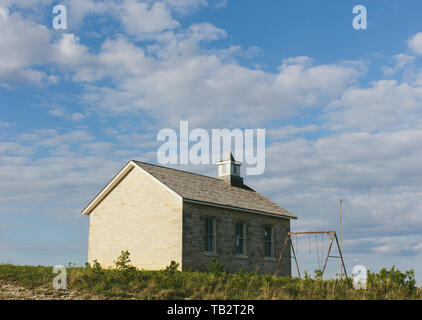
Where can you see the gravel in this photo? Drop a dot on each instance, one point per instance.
(11, 291)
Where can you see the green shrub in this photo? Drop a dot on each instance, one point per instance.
(393, 279)
(318, 274)
(215, 267)
(96, 269)
(172, 267)
(125, 272)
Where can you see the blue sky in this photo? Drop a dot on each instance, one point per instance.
(341, 107)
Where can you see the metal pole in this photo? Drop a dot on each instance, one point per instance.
(341, 225)
(341, 231)
(328, 253)
(341, 257)
(294, 254)
(282, 253)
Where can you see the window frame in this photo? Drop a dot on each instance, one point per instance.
(271, 242)
(243, 238)
(213, 235)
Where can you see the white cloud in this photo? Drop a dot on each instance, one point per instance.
(70, 53)
(301, 60)
(140, 17)
(415, 43)
(61, 112)
(391, 246)
(290, 131)
(76, 116)
(79, 9)
(220, 3)
(184, 4)
(362, 160)
(177, 74)
(230, 53)
(185, 43)
(27, 45)
(11, 148)
(398, 246)
(54, 181)
(4, 124)
(387, 104)
(180, 87)
(97, 148)
(400, 61)
(50, 181)
(136, 16)
(51, 138)
(118, 58)
(205, 32)
(57, 172)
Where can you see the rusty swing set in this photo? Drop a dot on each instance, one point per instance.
(293, 235)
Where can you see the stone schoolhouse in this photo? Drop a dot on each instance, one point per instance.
(161, 214)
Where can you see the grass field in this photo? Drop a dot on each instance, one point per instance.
(127, 282)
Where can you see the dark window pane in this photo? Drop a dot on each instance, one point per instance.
(240, 238)
(268, 249)
(209, 243)
(268, 241)
(209, 235)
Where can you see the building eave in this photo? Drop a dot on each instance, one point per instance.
(109, 186)
(275, 215)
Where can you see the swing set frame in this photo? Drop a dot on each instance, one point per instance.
(331, 234)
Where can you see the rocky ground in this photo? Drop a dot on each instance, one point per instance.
(10, 291)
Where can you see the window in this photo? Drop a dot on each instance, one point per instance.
(209, 235)
(240, 238)
(268, 237)
(236, 170)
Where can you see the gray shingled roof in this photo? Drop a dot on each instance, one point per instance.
(191, 186)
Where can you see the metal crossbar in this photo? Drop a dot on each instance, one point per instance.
(288, 242)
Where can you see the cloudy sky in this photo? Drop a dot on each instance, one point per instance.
(342, 109)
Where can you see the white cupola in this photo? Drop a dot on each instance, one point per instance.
(229, 170)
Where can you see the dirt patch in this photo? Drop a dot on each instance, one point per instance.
(11, 291)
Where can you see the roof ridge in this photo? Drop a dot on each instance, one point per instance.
(193, 173)
(196, 174)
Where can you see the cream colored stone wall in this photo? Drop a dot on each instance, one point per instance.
(139, 215)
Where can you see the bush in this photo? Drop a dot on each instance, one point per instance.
(172, 268)
(215, 267)
(318, 274)
(126, 272)
(96, 268)
(392, 279)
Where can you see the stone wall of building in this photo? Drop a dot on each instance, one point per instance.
(195, 257)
